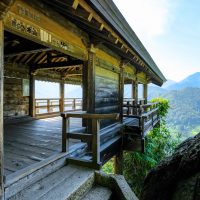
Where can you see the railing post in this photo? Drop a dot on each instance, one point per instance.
(96, 140)
(65, 131)
(37, 109)
(128, 106)
(141, 124)
(48, 105)
(74, 104)
(62, 94)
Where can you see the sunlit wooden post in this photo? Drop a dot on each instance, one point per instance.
(62, 95)
(135, 95)
(121, 90)
(145, 92)
(65, 131)
(1, 110)
(136, 91)
(91, 89)
(96, 140)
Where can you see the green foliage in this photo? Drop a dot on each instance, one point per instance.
(159, 143)
(108, 167)
(163, 106)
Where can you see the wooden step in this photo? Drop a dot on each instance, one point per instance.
(98, 193)
(66, 183)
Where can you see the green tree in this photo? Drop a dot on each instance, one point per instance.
(159, 143)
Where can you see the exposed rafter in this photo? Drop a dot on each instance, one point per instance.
(28, 52)
(56, 65)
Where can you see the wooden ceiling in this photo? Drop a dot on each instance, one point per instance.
(38, 57)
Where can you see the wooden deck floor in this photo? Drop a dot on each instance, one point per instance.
(28, 142)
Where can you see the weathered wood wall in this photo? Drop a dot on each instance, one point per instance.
(106, 91)
(15, 104)
(106, 82)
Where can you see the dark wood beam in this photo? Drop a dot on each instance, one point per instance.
(32, 96)
(28, 52)
(1, 110)
(57, 65)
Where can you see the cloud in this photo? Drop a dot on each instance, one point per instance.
(148, 18)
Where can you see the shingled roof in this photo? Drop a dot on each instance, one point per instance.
(111, 14)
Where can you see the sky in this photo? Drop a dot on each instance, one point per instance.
(170, 31)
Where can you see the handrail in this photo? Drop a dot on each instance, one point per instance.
(147, 114)
(85, 115)
(93, 134)
(53, 105)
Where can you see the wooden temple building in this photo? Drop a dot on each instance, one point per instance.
(79, 42)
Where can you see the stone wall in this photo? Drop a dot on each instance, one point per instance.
(15, 104)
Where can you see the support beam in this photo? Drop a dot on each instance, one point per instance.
(135, 88)
(62, 95)
(32, 96)
(1, 111)
(145, 92)
(85, 85)
(91, 80)
(84, 88)
(121, 90)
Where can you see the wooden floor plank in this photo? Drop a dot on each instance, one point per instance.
(32, 141)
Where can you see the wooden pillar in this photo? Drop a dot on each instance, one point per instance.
(1, 109)
(62, 96)
(145, 92)
(85, 86)
(121, 90)
(96, 140)
(32, 96)
(91, 80)
(136, 91)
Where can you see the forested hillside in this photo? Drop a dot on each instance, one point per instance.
(184, 100)
(184, 112)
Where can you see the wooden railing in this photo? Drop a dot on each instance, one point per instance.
(92, 137)
(131, 106)
(72, 104)
(53, 105)
(147, 114)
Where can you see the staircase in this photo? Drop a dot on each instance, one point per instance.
(77, 183)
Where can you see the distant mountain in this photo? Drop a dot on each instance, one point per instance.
(184, 99)
(191, 81)
(184, 112)
(168, 83)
